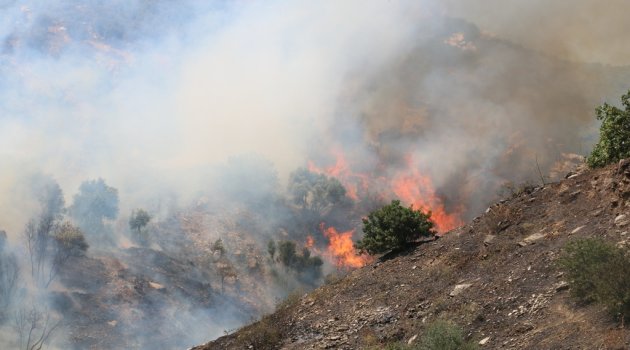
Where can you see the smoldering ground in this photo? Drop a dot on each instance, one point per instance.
(155, 97)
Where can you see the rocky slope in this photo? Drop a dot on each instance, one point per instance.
(497, 278)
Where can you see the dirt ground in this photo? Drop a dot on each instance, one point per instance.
(495, 277)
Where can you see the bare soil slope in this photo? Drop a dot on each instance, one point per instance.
(496, 277)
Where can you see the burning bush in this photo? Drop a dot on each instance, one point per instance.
(393, 226)
(614, 134)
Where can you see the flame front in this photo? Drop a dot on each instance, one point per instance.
(353, 182)
(408, 184)
(417, 190)
(341, 248)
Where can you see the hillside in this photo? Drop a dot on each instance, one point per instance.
(496, 277)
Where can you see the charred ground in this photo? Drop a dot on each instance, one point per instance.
(496, 277)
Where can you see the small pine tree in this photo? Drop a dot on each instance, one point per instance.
(393, 226)
(614, 134)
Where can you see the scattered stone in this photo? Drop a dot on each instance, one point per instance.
(578, 229)
(112, 323)
(621, 220)
(488, 240)
(573, 176)
(597, 213)
(156, 286)
(412, 339)
(562, 285)
(484, 341)
(531, 239)
(459, 289)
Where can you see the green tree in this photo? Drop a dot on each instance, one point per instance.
(315, 191)
(393, 226)
(287, 253)
(67, 241)
(614, 134)
(95, 202)
(139, 219)
(218, 247)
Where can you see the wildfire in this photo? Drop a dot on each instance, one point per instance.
(353, 182)
(341, 248)
(310, 242)
(417, 190)
(409, 185)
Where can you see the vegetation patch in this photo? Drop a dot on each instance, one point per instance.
(597, 272)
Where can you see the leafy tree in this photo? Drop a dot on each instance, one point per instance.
(95, 202)
(217, 247)
(393, 226)
(614, 134)
(315, 191)
(304, 263)
(286, 253)
(139, 219)
(68, 241)
(597, 272)
(49, 195)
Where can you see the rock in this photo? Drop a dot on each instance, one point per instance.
(562, 285)
(622, 220)
(412, 339)
(488, 240)
(577, 229)
(484, 341)
(156, 286)
(573, 176)
(531, 239)
(459, 289)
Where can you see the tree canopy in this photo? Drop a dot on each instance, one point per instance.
(614, 134)
(95, 202)
(393, 226)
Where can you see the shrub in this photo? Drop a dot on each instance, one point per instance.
(597, 272)
(439, 335)
(263, 334)
(442, 335)
(393, 226)
(614, 134)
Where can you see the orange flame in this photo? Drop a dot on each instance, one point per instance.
(342, 172)
(310, 242)
(341, 248)
(417, 191)
(410, 186)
